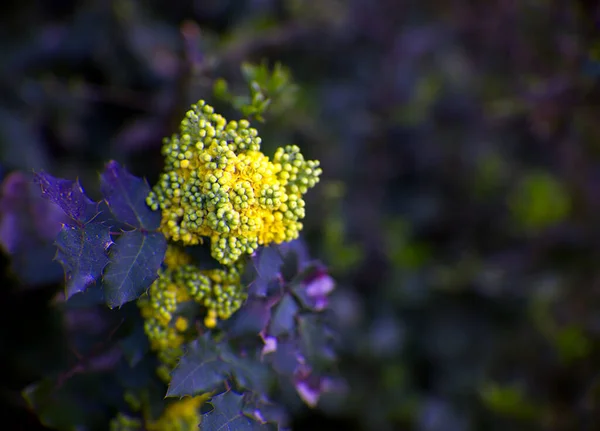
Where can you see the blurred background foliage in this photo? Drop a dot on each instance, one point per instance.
(459, 207)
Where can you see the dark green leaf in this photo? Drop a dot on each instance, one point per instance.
(87, 298)
(228, 415)
(135, 345)
(267, 263)
(265, 411)
(283, 320)
(126, 196)
(285, 359)
(135, 259)
(250, 319)
(315, 339)
(249, 373)
(82, 253)
(79, 402)
(295, 256)
(200, 369)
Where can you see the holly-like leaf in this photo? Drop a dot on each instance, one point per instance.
(265, 411)
(135, 259)
(82, 253)
(248, 373)
(68, 195)
(283, 320)
(126, 196)
(228, 415)
(206, 365)
(200, 369)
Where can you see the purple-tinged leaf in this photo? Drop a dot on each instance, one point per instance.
(68, 195)
(309, 388)
(82, 253)
(283, 320)
(126, 196)
(265, 411)
(229, 415)
(270, 345)
(135, 259)
(313, 292)
(267, 262)
(29, 224)
(26, 219)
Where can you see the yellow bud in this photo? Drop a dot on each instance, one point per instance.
(210, 322)
(181, 324)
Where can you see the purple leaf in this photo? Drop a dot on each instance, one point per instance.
(82, 253)
(68, 195)
(126, 196)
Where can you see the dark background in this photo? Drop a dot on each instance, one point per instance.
(458, 210)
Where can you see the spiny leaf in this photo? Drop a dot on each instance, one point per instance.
(200, 369)
(126, 197)
(249, 373)
(228, 415)
(68, 195)
(82, 253)
(263, 410)
(207, 364)
(135, 259)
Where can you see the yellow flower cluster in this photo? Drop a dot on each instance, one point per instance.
(181, 415)
(219, 291)
(217, 184)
